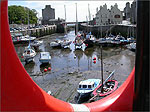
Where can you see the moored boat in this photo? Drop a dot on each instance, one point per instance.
(36, 43)
(65, 43)
(132, 46)
(89, 43)
(109, 87)
(16, 38)
(45, 57)
(29, 54)
(86, 87)
(56, 43)
(27, 38)
(78, 41)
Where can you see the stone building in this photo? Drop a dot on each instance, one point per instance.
(130, 12)
(115, 15)
(127, 11)
(105, 16)
(133, 12)
(102, 16)
(47, 14)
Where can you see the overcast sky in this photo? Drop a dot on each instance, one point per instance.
(82, 7)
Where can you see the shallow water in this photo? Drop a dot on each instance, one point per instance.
(69, 66)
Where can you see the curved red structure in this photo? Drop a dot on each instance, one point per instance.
(20, 93)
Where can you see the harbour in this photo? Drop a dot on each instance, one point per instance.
(66, 56)
(70, 66)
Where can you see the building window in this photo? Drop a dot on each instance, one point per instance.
(117, 16)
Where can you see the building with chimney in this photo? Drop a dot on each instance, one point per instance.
(48, 16)
(102, 16)
(48, 13)
(127, 11)
(106, 16)
(133, 12)
(115, 15)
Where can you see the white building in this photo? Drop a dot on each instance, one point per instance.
(105, 16)
(115, 15)
(102, 16)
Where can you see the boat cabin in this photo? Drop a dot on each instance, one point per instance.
(86, 85)
(28, 51)
(44, 55)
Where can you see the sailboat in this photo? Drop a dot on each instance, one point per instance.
(132, 41)
(106, 87)
(29, 53)
(66, 42)
(90, 40)
(78, 41)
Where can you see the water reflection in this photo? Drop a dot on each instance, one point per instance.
(70, 59)
(29, 66)
(70, 66)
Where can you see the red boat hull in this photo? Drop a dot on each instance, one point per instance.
(106, 93)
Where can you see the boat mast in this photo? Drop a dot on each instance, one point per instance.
(89, 12)
(65, 19)
(101, 31)
(89, 16)
(28, 26)
(76, 20)
(86, 23)
(102, 69)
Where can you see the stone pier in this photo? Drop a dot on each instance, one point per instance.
(39, 32)
(124, 30)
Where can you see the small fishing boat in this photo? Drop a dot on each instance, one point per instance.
(102, 42)
(29, 54)
(90, 40)
(56, 43)
(89, 43)
(78, 42)
(132, 46)
(91, 37)
(27, 38)
(44, 57)
(115, 42)
(121, 39)
(36, 43)
(65, 43)
(16, 37)
(106, 88)
(109, 87)
(86, 87)
(110, 38)
(131, 39)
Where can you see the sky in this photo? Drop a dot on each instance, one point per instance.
(82, 7)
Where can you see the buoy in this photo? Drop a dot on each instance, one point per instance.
(21, 56)
(49, 68)
(86, 44)
(45, 70)
(94, 61)
(94, 58)
(73, 41)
